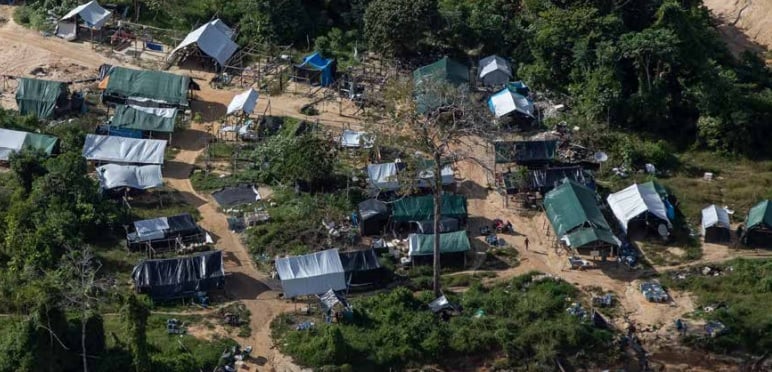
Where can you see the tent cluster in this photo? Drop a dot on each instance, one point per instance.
(12, 141)
(385, 177)
(213, 39)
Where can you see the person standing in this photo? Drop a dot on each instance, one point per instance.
(526, 243)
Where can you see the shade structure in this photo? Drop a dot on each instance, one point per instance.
(572, 205)
(39, 97)
(124, 84)
(356, 139)
(506, 101)
(526, 152)
(315, 62)
(166, 279)
(372, 216)
(636, 200)
(494, 70)
(715, 224)
(452, 242)
(123, 150)
(213, 40)
(445, 71)
(581, 237)
(243, 103)
(91, 13)
(547, 179)
(12, 141)
(136, 177)
(311, 274)
(144, 118)
(383, 176)
(421, 208)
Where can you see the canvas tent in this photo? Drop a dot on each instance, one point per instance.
(573, 212)
(316, 67)
(372, 216)
(636, 203)
(152, 88)
(421, 208)
(114, 149)
(12, 141)
(163, 232)
(715, 224)
(445, 70)
(40, 97)
(234, 196)
(178, 277)
(494, 70)
(452, 242)
(311, 274)
(141, 118)
(92, 15)
(758, 225)
(356, 139)
(136, 177)
(506, 101)
(447, 224)
(243, 103)
(362, 267)
(213, 39)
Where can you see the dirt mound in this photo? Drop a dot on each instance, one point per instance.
(746, 24)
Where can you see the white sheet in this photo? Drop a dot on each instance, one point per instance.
(495, 70)
(137, 177)
(634, 200)
(356, 139)
(243, 102)
(212, 40)
(506, 101)
(314, 273)
(124, 150)
(94, 15)
(11, 141)
(157, 111)
(383, 176)
(714, 215)
(67, 30)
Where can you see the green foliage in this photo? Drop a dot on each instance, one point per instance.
(399, 27)
(134, 315)
(290, 159)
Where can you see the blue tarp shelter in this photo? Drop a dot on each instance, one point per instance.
(315, 62)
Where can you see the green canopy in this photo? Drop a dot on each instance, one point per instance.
(40, 142)
(157, 85)
(132, 118)
(759, 215)
(571, 205)
(586, 235)
(423, 244)
(39, 97)
(445, 70)
(421, 208)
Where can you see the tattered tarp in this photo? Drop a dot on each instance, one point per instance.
(14, 141)
(233, 196)
(383, 176)
(124, 150)
(423, 244)
(426, 174)
(373, 208)
(329, 299)
(525, 152)
(546, 179)
(421, 208)
(714, 215)
(39, 97)
(445, 70)
(144, 118)
(356, 139)
(635, 200)
(91, 13)
(586, 235)
(507, 101)
(760, 216)
(495, 70)
(243, 102)
(311, 274)
(162, 227)
(316, 62)
(155, 85)
(180, 276)
(212, 40)
(137, 177)
(364, 260)
(571, 205)
(439, 304)
(447, 224)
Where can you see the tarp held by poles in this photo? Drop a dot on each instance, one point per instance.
(14, 141)
(144, 118)
(212, 39)
(123, 149)
(423, 244)
(91, 13)
(39, 97)
(311, 274)
(243, 102)
(137, 85)
(137, 177)
(180, 276)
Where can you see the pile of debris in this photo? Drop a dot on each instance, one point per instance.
(654, 292)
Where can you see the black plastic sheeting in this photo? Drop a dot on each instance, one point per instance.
(362, 267)
(179, 277)
(228, 197)
(447, 224)
(372, 215)
(182, 224)
(545, 180)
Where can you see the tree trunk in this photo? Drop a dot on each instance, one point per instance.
(437, 189)
(83, 322)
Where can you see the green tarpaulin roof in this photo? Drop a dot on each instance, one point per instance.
(157, 85)
(760, 214)
(40, 142)
(423, 244)
(571, 205)
(445, 70)
(525, 151)
(39, 97)
(586, 235)
(421, 208)
(132, 118)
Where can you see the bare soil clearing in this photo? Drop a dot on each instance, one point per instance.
(745, 24)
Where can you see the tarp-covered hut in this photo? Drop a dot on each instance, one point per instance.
(213, 39)
(243, 103)
(362, 268)
(494, 71)
(125, 150)
(421, 208)
(311, 274)
(372, 215)
(640, 207)
(151, 88)
(12, 141)
(573, 212)
(544, 180)
(234, 196)
(451, 244)
(153, 119)
(715, 224)
(142, 177)
(92, 15)
(165, 232)
(445, 70)
(170, 278)
(41, 98)
(317, 69)
(527, 153)
(507, 101)
(758, 226)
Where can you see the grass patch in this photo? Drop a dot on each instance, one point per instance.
(161, 203)
(465, 280)
(240, 310)
(203, 181)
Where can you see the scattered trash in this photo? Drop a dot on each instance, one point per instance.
(603, 301)
(174, 327)
(654, 292)
(578, 263)
(304, 326)
(577, 310)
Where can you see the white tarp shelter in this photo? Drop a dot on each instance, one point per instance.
(212, 39)
(506, 101)
(11, 141)
(311, 274)
(355, 139)
(151, 229)
(137, 177)
(714, 216)
(123, 149)
(67, 30)
(91, 13)
(383, 176)
(634, 201)
(494, 70)
(243, 102)
(426, 177)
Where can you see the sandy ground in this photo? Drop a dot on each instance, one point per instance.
(746, 24)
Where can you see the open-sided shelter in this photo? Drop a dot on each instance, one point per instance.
(544, 180)
(758, 226)
(170, 278)
(527, 153)
(243, 103)
(165, 233)
(445, 70)
(150, 88)
(421, 208)
(146, 119)
(451, 244)
(143, 177)
(507, 101)
(447, 224)
(715, 224)
(316, 68)
(311, 274)
(12, 141)
(213, 39)
(372, 215)
(92, 15)
(640, 207)
(112, 149)
(494, 71)
(42, 98)
(362, 268)
(573, 212)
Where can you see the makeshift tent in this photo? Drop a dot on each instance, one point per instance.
(165, 231)
(243, 103)
(452, 242)
(311, 274)
(526, 152)
(383, 176)
(233, 196)
(40, 97)
(314, 65)
(715, 224)
(519, 87)
(573, 212)
(93, 15)
(137, 177)
(494, 70)
(67, 30)
(545, 180)
(372, 216)
(356, 139)
(123, 150)
(447, 224)
(362, 267)
(158, 87)
(758, 225)
(212, 39)
(635, 202)
(506, 101)
(591, 237)
(426, 174)
(420, 208)
(445, 70)
(441, 303)
(329, 299)
(14, 141)
(144, 118)
(177, 277)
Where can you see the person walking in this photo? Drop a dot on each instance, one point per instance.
(526, 243)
